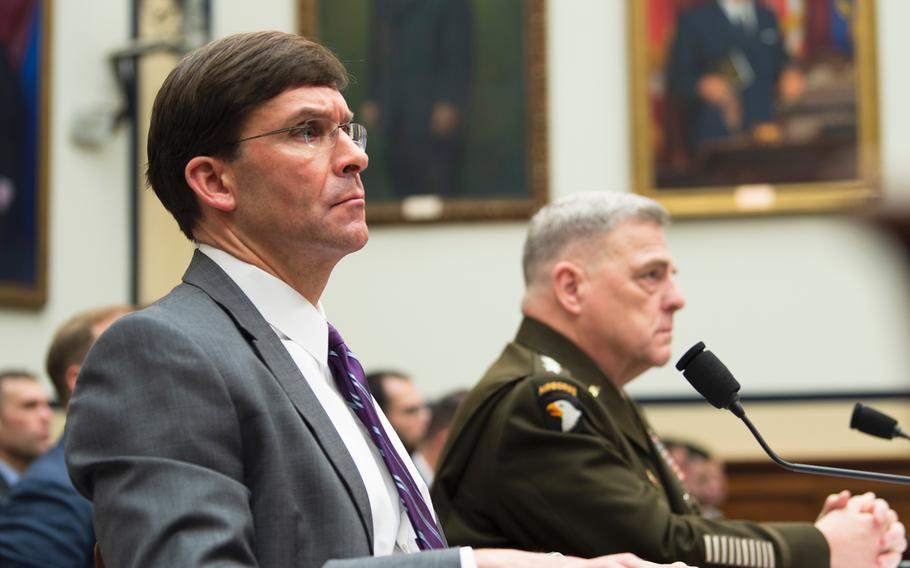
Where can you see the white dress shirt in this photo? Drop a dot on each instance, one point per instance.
(740, 12)
(303, 330)
(10, 475)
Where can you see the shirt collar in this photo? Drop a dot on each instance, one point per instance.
(9, 474)
(289, 313)
(743, 12)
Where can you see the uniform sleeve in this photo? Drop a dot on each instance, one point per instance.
(153, 440)
(568, 486)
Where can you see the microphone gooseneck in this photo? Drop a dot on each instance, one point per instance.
(716, 383)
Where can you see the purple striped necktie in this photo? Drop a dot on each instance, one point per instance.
(351, 381)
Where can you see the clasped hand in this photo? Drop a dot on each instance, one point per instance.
(862, 531)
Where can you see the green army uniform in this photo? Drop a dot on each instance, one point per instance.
(546, 454)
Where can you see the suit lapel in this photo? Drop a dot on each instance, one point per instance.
(203, 273)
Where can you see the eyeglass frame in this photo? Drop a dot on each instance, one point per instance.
(333, 133)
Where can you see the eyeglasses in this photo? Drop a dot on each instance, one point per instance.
(320, 133)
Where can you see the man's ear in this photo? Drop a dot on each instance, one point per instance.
(567, 279)
(212, 182)
(70, 376)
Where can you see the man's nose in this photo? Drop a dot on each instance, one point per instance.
(674, 299)
(351, 158)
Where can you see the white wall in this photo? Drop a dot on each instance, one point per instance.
(802, 299)
(88, 212)
(796, 302)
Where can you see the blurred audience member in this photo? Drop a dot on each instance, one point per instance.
(25, 424)
(44, 521)
(402, 404)
(702, 474)
(426, 458)
(706, 480)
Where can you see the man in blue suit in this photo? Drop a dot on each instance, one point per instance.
(729, 66)
(44, 521)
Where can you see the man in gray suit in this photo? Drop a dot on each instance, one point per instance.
(212, 428)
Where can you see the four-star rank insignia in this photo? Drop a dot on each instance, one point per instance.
(560, 405)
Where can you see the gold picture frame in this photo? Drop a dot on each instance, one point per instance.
(820, 151)
(24, 88)
(495, 167)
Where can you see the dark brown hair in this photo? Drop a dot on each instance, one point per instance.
(376, 381)
(15, 375)
(71, 344)
(205, 101)
(443, 412)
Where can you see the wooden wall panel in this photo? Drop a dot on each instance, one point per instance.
(762, 491)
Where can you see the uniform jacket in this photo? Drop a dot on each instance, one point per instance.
(546, 454)
(201, 444)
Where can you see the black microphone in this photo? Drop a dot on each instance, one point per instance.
(711, 378)
(875, 423)
(716, 383)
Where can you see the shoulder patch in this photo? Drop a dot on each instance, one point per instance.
(556, 386)
(560, 406)
(551, 365)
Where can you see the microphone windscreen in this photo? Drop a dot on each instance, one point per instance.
(709, 376)
(873, 422)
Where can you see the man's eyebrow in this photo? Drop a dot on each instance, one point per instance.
(662, 263)
(652, 262)
(308, 112)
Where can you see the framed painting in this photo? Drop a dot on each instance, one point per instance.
(452, 95)
(754, 106)
(24, 76)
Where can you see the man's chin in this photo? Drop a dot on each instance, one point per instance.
(662, 357)
(355, 239)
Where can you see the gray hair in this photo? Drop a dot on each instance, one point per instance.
(582, 216)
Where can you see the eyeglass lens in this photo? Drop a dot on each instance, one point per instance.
(323, 132)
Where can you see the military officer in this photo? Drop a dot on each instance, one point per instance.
(548, 452)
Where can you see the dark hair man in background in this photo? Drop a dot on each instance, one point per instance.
(442, 411)
(702, 474)
(44, 521)
(25, 424)
(229, 423)
(403, 405)
(549, 449)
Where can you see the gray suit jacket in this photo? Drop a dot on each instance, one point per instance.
(201, 444)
